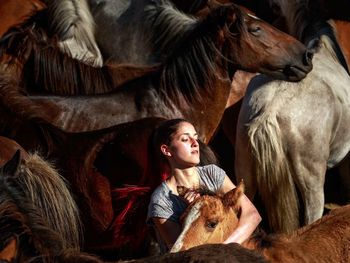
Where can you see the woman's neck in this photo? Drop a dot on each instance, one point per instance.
(183, 177)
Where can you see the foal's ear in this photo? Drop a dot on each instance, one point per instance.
(182, 190)
(9, 253)
(12, 165)
(233, 197)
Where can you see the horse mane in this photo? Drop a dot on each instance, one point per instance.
(30, 45)
(305, 22)
(191, 7)
(37, 208)
(189, 48)
(72, 21)
(45, 184)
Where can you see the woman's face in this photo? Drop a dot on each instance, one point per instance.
(184, 148)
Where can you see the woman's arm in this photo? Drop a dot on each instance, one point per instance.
(168, 230)
(249, 220)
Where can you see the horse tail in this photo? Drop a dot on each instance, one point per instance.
(48, 190)
(274, 177)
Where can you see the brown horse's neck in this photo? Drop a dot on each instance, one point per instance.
(207, 118)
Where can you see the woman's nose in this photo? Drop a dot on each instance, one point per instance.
(194, 142)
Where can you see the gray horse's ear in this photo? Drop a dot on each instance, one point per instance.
(12, 165)
(233, 198)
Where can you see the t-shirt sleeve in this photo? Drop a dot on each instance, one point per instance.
(159, 206)
(156, 209)
(213, 176)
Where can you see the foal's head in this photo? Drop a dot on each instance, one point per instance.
(210, 219)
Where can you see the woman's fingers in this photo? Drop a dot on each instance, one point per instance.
(190, 196)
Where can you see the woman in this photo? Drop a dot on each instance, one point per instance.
(177, 141)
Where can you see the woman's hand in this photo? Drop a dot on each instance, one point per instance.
(190, 196)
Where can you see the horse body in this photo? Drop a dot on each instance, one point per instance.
(117, 37)
(326, 240)
(14, 12)
(296, 133)
(343, 29)
(97, 114)
(288, 135)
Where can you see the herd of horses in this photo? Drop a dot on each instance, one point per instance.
(86, 82)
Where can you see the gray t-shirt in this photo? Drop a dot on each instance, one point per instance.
(165, 204)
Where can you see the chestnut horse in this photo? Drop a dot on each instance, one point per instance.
(212, 218)
(289, 134)
(38, 216)
(184, 85)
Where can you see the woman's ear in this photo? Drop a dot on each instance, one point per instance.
(165, 150)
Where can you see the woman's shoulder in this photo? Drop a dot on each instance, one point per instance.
(165, 204)
(209, 168)
(212, 176)
(161, 190)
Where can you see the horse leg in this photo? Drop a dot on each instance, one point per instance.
(309, 177)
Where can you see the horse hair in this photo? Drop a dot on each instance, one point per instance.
(36, 206)
(187, 68)
(72, 21)
(189, 46)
